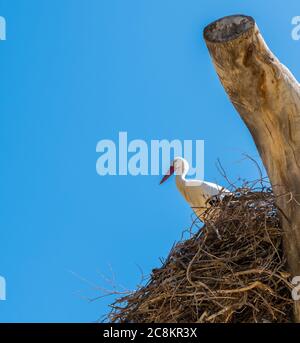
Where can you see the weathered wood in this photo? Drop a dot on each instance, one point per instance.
(267, 97)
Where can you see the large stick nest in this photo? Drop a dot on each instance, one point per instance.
(231, 270)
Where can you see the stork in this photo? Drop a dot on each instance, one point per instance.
(199, 194)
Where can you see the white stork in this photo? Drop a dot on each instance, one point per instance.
(196, 192)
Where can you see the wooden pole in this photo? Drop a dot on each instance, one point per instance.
(267, 97)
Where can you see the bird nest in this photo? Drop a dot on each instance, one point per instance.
(231, 270)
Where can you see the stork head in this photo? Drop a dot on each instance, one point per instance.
(179, 166)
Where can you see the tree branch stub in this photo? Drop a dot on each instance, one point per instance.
(267, 97)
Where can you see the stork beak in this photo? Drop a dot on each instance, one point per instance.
(168, 174)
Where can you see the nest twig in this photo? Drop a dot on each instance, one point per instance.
(232, 270)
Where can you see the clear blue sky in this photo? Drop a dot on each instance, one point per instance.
(74, 72)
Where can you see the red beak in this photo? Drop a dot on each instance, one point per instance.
(169, 173)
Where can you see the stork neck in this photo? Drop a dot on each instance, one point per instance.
(185, 171)
(182, 177)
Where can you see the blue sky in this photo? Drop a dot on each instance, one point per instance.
(74, 72)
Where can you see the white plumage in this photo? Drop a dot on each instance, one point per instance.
(196, 192)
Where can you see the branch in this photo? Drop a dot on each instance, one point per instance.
(263, 91)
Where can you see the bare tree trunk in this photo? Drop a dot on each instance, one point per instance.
(267, 97)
